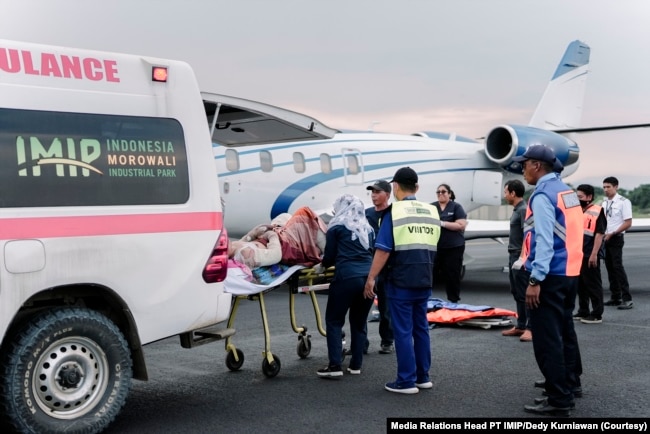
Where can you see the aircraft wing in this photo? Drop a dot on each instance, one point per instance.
(487, 229)
(640, 225)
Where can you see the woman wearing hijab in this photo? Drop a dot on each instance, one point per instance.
(349, 241)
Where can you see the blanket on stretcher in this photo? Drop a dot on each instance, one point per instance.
(240, 280)
(444, 312)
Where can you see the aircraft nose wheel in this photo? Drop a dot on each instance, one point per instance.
(304, 346)
(271, 369)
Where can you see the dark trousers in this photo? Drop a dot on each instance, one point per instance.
(346, 295)
(385, 329)
(518, 285)
(590, 288)
(555, 343)
(449, 266)
(618, 284)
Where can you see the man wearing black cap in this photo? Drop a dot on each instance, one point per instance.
(552, 255)
(405, 249)
(380, 194)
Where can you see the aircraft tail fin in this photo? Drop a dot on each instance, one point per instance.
(562, 102)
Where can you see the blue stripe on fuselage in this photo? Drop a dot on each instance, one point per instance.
(286, 198)
(291, 193)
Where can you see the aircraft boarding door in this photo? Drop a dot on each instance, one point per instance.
(487, 187)
(352, 166)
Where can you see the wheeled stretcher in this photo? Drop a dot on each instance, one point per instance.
(300, 280)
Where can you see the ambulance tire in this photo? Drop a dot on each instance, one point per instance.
(66, 370)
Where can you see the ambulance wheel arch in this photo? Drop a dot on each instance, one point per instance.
(78, 367)
(93, 297)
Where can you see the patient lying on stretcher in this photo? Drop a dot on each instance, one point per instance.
(297, 239)
(262, 251)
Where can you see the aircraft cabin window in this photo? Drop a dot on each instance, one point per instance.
(325, 163)
(353, 164)
(299, 162)
(266, 161)
(232, 160)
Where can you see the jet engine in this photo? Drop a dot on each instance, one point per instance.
(505, 142)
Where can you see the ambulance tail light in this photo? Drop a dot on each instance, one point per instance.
(216, 268)
(159, 73)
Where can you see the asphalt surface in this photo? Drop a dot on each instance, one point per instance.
(476, 372)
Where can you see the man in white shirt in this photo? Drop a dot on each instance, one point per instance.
(618, 211)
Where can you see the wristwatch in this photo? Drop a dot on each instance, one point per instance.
(533, 282)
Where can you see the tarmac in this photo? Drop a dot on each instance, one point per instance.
(476, 373)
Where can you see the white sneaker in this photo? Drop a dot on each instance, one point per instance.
(393, 387)
(354, 371)
(591, 320)
(330, 371)
(425, 385)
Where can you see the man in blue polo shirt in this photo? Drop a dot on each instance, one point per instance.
(405, 249)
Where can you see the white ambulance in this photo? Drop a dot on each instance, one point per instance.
(111, 229)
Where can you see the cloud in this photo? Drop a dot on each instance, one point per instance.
(459, 66)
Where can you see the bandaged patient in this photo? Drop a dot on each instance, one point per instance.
(291, 240)
(262, 251)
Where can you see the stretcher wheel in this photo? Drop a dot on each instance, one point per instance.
(271, 369)
(304, 347)
(232, 363)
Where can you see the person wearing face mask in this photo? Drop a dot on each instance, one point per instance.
(590, 284)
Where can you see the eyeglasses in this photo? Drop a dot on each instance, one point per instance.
(527, 163)
(441, 192)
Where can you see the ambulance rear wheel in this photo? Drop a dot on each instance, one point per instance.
(271, 369)
(66, 370)
(232, 363)
(304, 347)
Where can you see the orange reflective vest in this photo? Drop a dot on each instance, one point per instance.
(567, 230)
(591, 217)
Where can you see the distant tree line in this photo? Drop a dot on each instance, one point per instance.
(639, 196)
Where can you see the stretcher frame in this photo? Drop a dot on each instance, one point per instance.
(302, 281)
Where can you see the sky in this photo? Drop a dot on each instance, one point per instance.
(462, 66)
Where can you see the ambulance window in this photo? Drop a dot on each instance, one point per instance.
(266, 161)
(81, 159)
(299, 162)
(232, 160)
(325, 163)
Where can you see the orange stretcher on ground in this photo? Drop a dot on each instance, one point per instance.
(483, 317)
